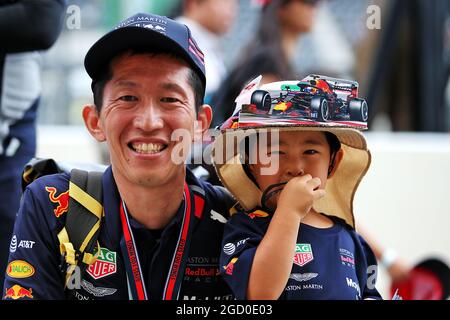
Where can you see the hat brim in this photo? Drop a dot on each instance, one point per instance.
(340, 188)
(120, 40)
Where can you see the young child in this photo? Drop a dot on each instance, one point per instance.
(294, 237)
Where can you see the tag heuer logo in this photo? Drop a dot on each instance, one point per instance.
(303, 254)
(105, 264)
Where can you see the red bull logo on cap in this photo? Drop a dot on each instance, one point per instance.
(62, 200)
(18, 292)
(303, 254)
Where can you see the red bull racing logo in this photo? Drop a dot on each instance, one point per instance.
(303, 254)
(62, 200)
(18, 292)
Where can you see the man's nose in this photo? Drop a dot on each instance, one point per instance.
(149, 117)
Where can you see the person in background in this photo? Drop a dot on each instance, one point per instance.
(209, 20)
(269, 53)
(388, 258)
(26, 27)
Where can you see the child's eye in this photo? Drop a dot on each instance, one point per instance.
(170, 100)
(128, 98)
(311, 151)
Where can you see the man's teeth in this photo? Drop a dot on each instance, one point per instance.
(147, 147)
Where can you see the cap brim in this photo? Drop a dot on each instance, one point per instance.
(120, 40)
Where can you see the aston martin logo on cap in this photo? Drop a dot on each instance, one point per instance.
(147, 21)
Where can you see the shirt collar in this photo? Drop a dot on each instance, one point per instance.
(112, 229)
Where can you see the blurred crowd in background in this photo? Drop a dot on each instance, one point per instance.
(398, 50)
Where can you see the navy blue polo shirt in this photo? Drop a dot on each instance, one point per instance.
(34, 260)
(330, 263)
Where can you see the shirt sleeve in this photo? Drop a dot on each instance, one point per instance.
(242, 235)
(33, 265)
(29, 25)
(370, 291)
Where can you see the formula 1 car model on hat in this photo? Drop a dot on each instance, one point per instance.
(316, 97)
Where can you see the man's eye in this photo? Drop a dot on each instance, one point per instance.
(169, 100)
(128, 98)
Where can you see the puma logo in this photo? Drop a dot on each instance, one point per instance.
(217, 216)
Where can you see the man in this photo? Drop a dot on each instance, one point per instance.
(209, 20)
(26, 27)
(162, 228)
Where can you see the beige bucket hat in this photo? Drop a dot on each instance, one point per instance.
(298, 106)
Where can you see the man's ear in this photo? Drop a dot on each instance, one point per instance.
(335, 164)
(92, 122)
(204, 118)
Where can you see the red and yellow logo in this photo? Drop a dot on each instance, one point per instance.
(283, 106)
(18, 292)
(258, 213)
(229, 267)
(62, 200)
(19, 269)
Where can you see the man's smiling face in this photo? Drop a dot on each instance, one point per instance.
(147, 99)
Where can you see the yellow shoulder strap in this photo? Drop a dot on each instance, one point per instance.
(75, 256)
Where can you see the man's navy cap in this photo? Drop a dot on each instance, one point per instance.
(145, 31)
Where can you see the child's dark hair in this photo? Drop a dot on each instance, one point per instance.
(333, 141)
(335, 145)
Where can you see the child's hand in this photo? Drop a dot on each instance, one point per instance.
(299, 194)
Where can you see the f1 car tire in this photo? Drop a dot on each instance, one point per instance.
(261, 99)
(320, 105)
(358, 110)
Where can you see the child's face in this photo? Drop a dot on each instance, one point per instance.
(297, 153)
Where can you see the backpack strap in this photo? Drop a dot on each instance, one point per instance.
(78, 239)
(232, 204)
(36, 168)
